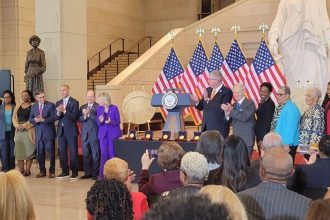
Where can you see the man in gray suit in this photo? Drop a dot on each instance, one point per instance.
(89, 140)
(271, 199)
(242, 116)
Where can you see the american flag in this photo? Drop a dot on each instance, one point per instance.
(169, 77)
(214, 63)
(235, 66)
(195, 68)
(263, 69)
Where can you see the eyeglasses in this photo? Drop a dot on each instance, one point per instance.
(210, 79)
(7, 97)
(280, 94)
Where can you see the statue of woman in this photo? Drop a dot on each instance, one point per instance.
(35, 66)
(300, 40)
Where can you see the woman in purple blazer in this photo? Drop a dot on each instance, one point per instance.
(108, 119)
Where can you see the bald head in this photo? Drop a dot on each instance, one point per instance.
(276, 165)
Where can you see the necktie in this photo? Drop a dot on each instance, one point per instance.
(89, 107)
(40, 109)
(213, 94)
(238, 105)
(64, 103)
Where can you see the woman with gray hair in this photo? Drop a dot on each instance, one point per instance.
(312, 122)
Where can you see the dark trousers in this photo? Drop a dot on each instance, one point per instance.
(42, 147)
(91, 156)
(66, 142)
(292, 152)
(7, 152)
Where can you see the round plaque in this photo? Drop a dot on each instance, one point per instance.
(169, 100)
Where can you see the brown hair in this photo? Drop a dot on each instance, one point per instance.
(319, 210)
(170, 155)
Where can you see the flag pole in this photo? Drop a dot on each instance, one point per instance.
(236, 28)
(263, 27)
(215, 31)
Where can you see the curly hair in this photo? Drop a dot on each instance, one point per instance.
(192, 207)
(109, 199)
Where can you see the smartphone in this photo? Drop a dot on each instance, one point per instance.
(153, 153)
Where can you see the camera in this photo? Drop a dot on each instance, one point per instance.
(153, 153)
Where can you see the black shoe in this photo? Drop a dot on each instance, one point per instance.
(41, 175)
(62, 176)
(95, 177)
(74, 176)
(86, 177)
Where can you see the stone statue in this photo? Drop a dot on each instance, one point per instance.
(300, 41)
(35, 66)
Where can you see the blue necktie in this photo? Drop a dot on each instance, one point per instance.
(238, 105)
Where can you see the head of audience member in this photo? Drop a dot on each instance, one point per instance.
(223, 195)
(283, 94)
(239, 91)
(40, 96)
(210, 145)
(326, 97)
(15, 197)
(319, 210)
(215, 79)
(27, 96)
(109, 199)
(276, 165)
(64, 91)
(235, 161)
(8, 97)
(104, 99)
(266, 89)
(170, 155)
(324, 146)
(117, 169)
(272, 139)
(191, 206)
(312, 96)
(193, 168)
(90, 97)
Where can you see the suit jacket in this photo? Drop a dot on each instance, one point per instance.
(243, 120)
(45, 129)
(69, 119)
(213, 115)
(89, 126)
(312, 180)
(271, 200)
(2, 122)
(111, 130)
(264, 114)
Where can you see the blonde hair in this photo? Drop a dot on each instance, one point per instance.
(223, 195)
(106, 98)
(15, 197)
(117, 169)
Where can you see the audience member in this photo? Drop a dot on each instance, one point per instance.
(286, 120)
(242, 116)
(319, 210)
(67, 132)
(223, 195)
(89, 140)
(271, 199)
(192, 207)
(326, 107)
(235, 171)
(264, 113)
(7, 131)
(42, 115)
(109, 199)
(213, 97)
(312, 121)
(24, 137)
(117, 169)
(108, 119)
(210, 145)
(312, 179)
(169, 159)
(193, 172)
(15, 197)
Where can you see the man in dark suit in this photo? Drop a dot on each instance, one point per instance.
(67, 111)
(42, 116)
(264, 113)
(90, 142)
(210, 104)
(271, 199)
(242, 116)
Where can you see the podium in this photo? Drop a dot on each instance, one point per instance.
(174, 103)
